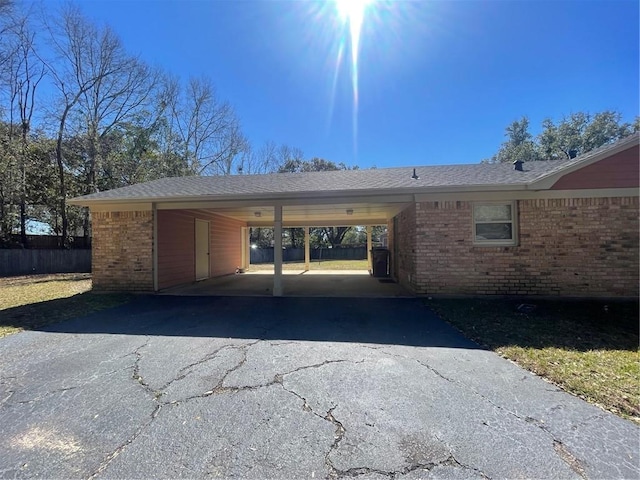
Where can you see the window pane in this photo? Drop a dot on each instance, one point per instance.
(493, 231)
(492, 213)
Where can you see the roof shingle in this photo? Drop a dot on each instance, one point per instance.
(342, 181)
(331, 181)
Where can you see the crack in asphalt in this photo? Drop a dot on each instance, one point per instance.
(453, 461)
(569, 458)
(338, 436)
(136, 372)
(45, 395)
(186, 370)
(278, 378)
(559, 448)
(219, 388)
(7, 381)
(321, 364)
(5, 401)
(109, 458)
(435, 371)
(340, 431)
(353, 472)
(156, 394)
(154, 414)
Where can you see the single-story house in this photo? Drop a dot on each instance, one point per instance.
(565, 227)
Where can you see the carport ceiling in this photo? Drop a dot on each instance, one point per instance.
(343, 214)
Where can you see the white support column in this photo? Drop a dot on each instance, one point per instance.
(277, 251)
(369, 263)
(246, 248)
(307, 249)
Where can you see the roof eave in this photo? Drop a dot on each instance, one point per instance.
(307, 195)
(547, 181)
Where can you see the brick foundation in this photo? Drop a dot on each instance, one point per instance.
(569, 247)
(122, 253)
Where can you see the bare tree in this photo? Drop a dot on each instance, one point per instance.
(269, 158)
(68, 35)
(99, 85)
(23, 72)
(208, 128)
(28, 75)
(6, 23)
(122, 87)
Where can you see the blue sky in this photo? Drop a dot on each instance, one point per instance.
(438, 80)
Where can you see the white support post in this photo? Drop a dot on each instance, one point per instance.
(307, 249)
(277, 251)
(246, 248)
(369, 262)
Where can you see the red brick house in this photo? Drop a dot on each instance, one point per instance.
(552, 228)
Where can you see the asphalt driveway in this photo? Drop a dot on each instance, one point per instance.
(232, 387)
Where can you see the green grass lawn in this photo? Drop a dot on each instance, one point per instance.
(316, 265)
(34, 301)
(588, 348)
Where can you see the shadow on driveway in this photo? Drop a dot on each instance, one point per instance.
(391, 321)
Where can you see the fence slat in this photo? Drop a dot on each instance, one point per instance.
(35, 261)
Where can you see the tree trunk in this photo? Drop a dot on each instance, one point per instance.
(63, 187)
(23, 186)
(23, 224)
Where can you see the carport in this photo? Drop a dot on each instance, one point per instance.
(223, 246)
(177, 231)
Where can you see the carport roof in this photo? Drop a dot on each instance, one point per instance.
(500, 176)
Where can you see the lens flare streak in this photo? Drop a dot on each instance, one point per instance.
(336, 74)
(352, 12)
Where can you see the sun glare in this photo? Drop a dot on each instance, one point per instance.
(352, 12)
(351, 8)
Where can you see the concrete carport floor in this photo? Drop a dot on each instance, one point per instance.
(314, 283)
(288, 387)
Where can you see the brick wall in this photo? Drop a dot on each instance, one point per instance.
(404, 258)
(122, 254)
(573, 247)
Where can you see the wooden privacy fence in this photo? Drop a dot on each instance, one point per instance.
(265, 255)
(48, 241)
(33, 261)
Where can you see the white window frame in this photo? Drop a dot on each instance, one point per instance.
(500, 242)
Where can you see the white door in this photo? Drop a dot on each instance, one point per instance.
(202, 249)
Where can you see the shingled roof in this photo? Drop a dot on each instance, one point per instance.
(384, 180)
(332, 181)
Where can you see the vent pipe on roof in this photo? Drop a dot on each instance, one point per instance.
(518, 165)
(415, 175)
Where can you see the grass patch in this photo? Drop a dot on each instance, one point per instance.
(588, 348)
(34, 301)
(315, 265)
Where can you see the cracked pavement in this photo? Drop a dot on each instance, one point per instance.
(193, 387)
